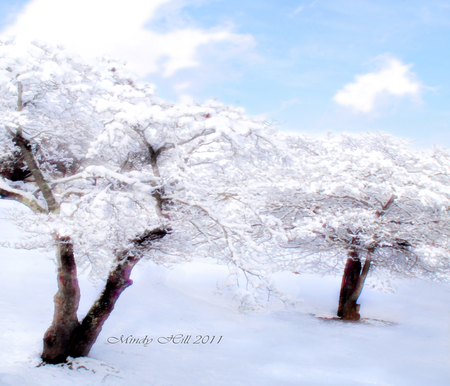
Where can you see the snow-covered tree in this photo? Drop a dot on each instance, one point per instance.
(113, 174)
(369, 201)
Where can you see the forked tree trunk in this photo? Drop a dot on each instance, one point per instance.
(65, 321)
(66, 336)
(87, 332)
(351, 286)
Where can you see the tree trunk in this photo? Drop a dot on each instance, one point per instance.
(351, 286)
(66, 336)
(87, 332)
(348, 309)
(65, 321)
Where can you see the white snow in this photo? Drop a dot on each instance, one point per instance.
(277, 346)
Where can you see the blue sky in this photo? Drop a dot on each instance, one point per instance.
(311, 66)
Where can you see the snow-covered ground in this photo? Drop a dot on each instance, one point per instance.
(277, 346)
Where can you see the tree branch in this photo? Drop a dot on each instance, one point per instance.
(33, 167)
(27, 153)
(362, 277)
(19, 196)
(19, 99)
(386, 206)
(168, 146)
(118, 280)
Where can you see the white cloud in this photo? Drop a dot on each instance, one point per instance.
(393, 78)
(116, 28)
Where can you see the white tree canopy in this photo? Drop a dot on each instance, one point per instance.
(373, 194)
(113, 161)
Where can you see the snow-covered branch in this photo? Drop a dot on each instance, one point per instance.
(21, 196)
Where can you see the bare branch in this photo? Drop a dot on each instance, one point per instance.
(386, 206)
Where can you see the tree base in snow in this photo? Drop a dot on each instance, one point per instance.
(350, 312)
(375, 322)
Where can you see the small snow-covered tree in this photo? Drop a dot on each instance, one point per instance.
(113, 174)
(369, 201)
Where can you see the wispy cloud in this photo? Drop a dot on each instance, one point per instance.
(285, 105)
(181, 86)
(301, 8)
(393, 78)
(116, 28)
(297, 10)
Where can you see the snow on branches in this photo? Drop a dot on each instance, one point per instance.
(101, 160)
(368, 196)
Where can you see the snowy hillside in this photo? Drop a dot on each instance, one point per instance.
(277, 346)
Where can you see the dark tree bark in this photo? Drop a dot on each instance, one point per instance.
(33, 167)
(351, 286)
(353, 278)
(66, 336)
(349, 310)
(65, 321)
(87, 332)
